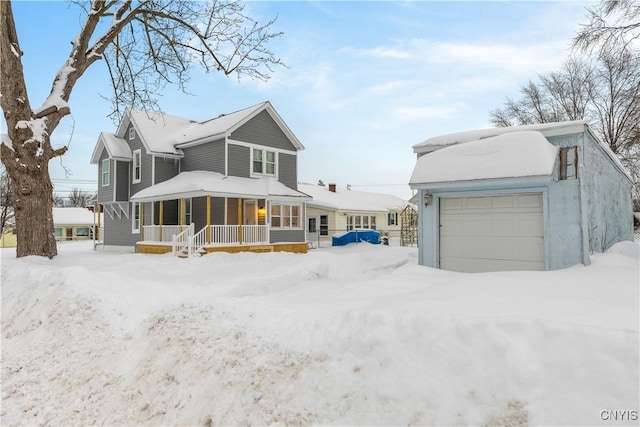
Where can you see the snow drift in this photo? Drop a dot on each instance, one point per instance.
(353, 335)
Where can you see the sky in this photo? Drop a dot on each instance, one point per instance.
(355, 335)
(364, 82)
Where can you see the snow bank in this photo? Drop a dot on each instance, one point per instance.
(353, 335)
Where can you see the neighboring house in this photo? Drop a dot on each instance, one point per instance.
(75, 224)
(335, 210)
(534, 197)
(229, 183)
(8, 237)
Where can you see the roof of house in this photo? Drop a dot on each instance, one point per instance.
(514, 154)
(116, 147)
(347, 200)
(166, 134)
(203, 183)
(546, 129)
(74, 216)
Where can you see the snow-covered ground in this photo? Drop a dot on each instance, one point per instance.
(353, 335)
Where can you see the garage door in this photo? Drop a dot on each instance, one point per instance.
(492, 233)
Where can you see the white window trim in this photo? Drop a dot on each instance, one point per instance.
(108, 173)
(135, 230)
(136, 154)
(264, 162)
(132, 133)
(301, 216)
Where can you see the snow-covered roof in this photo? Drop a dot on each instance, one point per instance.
(514, 154)
(75, 216)
(347, 200)
(116, 147)
(203, 183)
(546, 129)
(166, 134)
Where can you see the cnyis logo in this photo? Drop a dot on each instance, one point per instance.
(618, 415)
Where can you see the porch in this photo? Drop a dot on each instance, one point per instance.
(199, 212)
(184, 241)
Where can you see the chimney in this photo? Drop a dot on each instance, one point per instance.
(332, 188)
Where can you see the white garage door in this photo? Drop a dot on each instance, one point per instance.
(492, 233)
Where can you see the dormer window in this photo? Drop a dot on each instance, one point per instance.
(263, 162)
(137, 166)
(132, 134)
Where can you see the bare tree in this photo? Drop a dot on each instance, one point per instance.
(6, 199)
(58, 201)
(78, 198)
(606, 94)
(145, 45)
(611, 23)
(557, 96)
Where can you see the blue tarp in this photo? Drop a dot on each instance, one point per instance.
(353, 236)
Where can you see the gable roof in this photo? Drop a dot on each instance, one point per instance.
(116, 147)
(166, 134)
(347, 200)
(547, 129)
(203, 183)
(514, 154)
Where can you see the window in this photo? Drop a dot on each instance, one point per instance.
(361, 221)
(285, 216)
(312, 225)
(83, 232)
(324, 225)
(392, 218)
(187, 212)
(137, 166)
(105, 172)
(568, 163)
(135, 218)
(57, 232)
(264, 162)
(132, 134)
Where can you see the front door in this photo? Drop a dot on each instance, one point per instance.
(312, 229)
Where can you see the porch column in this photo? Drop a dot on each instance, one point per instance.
(141, 221)
(97, 232)
(181, 213)
(161, 219)
(239, 220)
(208, 233)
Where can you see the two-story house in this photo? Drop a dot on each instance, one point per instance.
(172, 184)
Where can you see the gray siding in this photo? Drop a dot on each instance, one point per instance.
(146, 163)
(232, 211)
(205, 157)
(278, 236)
(165, 169)
(105, 193)
(122, 181)
(199, 212)
(217, 211)
(239, 161)
(263, 130)
(288, 170)
(117, 231)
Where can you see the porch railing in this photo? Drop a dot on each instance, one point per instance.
(215, 235)
(162, 233)
(183, 242)
(233, 235)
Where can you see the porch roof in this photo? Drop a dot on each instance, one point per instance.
(205, 183)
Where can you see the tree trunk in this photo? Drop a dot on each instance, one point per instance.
(33, 194)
